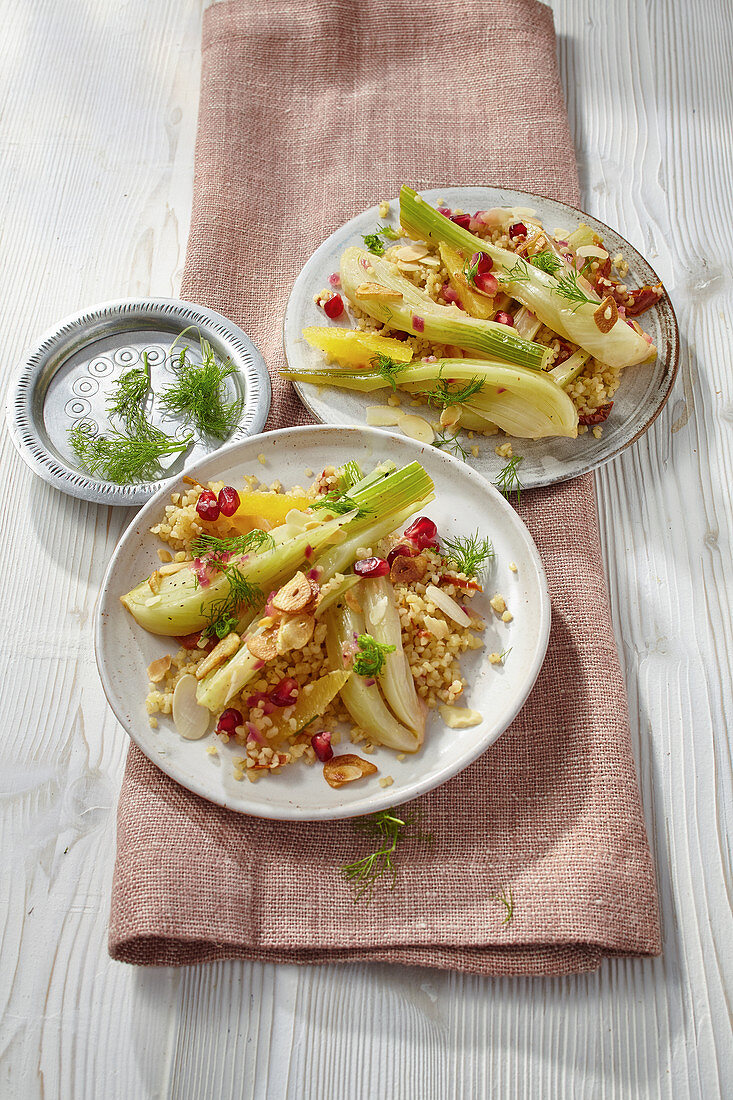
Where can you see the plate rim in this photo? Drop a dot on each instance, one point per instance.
(381, 798)
(19, 395)
(671, 360)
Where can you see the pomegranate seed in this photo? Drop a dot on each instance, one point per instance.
(482, 262)
(422, 532)
(444, 210)
(228, 500)
(286, 692)
(486, 283)
(321, 743)
(503, 318)
(371, 567)
(519, 229)
(404, 550)
(448, 294)
(334, 279)
(228, 721)
(464, 220)
(334, 306)
(261, 700)
(207, 505)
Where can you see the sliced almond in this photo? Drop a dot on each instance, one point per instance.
(376, 290)
(447, 605)
(189, 717)
(154, 581)
(606, 315)
(157, 669)
(405, 570)
(263, 646)
(224, 649)
(416, 428)
(295, 632)
(346, 768)
(450, 416)
(592, 252)
(410, 252)
(294, 595)
(173, 567)
(381, 416)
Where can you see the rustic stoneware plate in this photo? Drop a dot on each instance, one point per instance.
(638, 401)
(464, 503)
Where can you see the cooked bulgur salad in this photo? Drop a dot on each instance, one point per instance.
(306, 616)
(491, 322)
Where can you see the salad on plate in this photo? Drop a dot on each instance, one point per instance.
(313, 624)
(487, 322)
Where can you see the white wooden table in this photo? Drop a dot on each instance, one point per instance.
(98, 107)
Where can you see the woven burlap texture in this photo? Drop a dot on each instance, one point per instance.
(312, 110)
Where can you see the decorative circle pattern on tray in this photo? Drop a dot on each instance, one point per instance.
(65, 378)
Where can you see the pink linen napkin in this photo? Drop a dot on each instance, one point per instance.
(312, 110)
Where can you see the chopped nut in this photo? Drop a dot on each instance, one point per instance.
(346, 768)
(352, 602)
(507, 617)
(224, 649)
(263, 646)
(437, 627)
(496, 659)
(386, 781)
(381, 416)
(295, 595)
(377, 291)
(295, 632)
(606, 315)
(165, 555)
(157, 669)
(383, 208)
(406, 570)
(460, 718)
(513, 566)
(498, 603)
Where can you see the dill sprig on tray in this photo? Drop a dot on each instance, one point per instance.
(234, 544)
(130, 394)
(507, 480)
(567, 287)
(124, 459)
(470, 555)
(370, 656)
(222, 615)
(546, 261)
(390, 827)
(198, 397)
(444, 396)
(388, 367)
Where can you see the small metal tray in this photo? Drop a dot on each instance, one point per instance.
(65, 380)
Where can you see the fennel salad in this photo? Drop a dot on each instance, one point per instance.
(484, 324)
(313, 624)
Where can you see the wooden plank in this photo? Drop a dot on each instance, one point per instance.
(99, 111)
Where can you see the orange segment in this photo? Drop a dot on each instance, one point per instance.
(350, 348)
(313, 700)
(272, 507)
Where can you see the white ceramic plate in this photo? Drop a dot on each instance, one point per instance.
(464, 502)
(638, 401)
